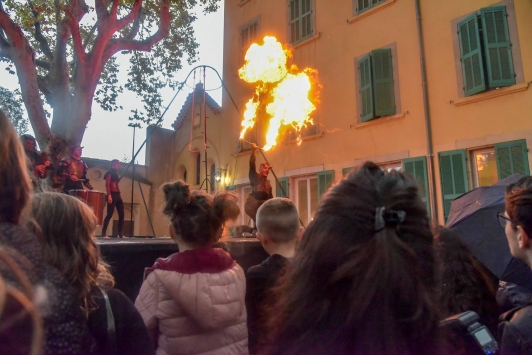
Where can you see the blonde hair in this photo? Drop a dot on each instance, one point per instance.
(67, 226)
(15, 183)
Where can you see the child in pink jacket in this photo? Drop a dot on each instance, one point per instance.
(193, 301)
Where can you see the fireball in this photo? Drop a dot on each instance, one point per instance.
(287, 93)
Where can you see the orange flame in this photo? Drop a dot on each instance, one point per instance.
(287, 92)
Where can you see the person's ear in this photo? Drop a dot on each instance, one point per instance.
(523, 238)
(261, 237)
(300, 233)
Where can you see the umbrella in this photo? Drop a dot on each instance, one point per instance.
(473, 216)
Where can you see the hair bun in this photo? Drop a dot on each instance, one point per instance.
(177, 196)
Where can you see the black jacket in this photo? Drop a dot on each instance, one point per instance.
(259, 281)
(515, 331)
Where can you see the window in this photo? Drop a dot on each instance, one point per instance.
(198, 168)
(484, 167)
(249, 34)
(485, 50)
(376, 84)
(185, 176)
(284, 183)
(243, 192)
(307, 197)
(363, 5)
(301, 26)
(391, 166)
(306, 131)
(417, 167)
(504, 158)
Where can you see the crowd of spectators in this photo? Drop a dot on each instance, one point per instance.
(369, 275)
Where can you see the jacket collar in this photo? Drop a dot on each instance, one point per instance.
(204, 260)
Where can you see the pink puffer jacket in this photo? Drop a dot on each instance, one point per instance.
(193, 303)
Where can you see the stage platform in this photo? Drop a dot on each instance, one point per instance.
(128, 257)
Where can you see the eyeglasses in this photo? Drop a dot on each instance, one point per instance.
(503, 219)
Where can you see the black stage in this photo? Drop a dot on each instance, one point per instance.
(129, 257)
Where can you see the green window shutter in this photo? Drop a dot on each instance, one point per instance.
(471, 56)
(453, 176)
(325, 180)
(497, 46)
(381, 65)
(345, 171)
(301, 25)
(417, 167)
(230, 188)
(512, 158)
(366, 88)
(284, 183)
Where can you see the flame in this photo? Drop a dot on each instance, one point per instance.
(286, 91)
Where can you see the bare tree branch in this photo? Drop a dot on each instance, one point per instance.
(134, 14)
(146, 45)
(89, 35)
(43, 64)
(43, 42)
(101, 9)
(73, 15)
(114, 9)
(136, 27)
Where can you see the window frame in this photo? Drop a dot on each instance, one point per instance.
(372, 4)
(515, 50)
(247, 26)
(396, 85)
(473, 163)
(312, 17)
(295, 188)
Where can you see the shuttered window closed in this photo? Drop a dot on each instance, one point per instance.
(512, 158)
(325, 180)
(453, 176)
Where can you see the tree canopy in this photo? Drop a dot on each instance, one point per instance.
(64, 54)
(11, 103)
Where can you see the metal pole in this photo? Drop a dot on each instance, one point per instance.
(132, 185)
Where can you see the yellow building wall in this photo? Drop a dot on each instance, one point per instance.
(340, 37)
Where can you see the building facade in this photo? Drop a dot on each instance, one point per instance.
(438, 89)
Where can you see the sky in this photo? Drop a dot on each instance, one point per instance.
(107, 135)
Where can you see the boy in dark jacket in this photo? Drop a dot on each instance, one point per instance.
(278, 230)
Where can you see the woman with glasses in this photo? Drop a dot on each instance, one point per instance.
(515, 331)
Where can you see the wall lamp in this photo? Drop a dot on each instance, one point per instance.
(220, 173)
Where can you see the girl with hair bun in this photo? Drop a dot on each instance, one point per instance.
(193, 301)
(363, 277)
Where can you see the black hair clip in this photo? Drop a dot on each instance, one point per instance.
(390, 218)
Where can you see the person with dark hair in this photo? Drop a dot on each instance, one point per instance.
(64, 327)
(193, 301)
(464, 284)
(278, 231)
(114, 199)
(38, 161)
(515, 329)
(363, 277)
(261, 187)
(67, 225)
(74, 171)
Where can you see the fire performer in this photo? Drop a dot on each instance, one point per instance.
(38, 161)
(114, 199)
(261, 188)
(74, 170)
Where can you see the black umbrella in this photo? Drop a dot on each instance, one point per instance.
(473, 216)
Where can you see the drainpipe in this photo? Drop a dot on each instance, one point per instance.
(428, 130)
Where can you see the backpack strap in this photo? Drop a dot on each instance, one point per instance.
(111, 329)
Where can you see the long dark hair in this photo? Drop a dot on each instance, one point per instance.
(354, 290)
(196, 216)
(464, 283)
